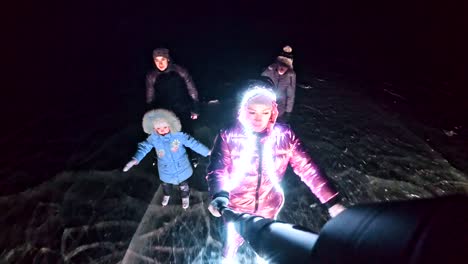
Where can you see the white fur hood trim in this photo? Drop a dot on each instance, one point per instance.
(158, 115)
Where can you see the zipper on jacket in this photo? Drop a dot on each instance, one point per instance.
(259, 172)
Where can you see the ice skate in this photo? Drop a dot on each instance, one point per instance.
(165, 200)
(185, 202)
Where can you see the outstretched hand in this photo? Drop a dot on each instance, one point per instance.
(336, 209)
(130, 164)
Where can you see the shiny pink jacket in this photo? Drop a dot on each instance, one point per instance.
(235, 168)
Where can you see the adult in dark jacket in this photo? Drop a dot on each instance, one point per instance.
(283, 79)
(170, 86)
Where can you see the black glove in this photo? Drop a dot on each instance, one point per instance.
(217, 204)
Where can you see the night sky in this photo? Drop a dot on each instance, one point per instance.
(91, 42)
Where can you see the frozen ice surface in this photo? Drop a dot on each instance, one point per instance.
(107, 216)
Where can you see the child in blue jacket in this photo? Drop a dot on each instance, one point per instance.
(174, 167)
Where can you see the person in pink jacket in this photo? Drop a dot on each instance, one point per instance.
(248, 162)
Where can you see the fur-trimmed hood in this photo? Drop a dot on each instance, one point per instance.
(252, 93)
(158, 115)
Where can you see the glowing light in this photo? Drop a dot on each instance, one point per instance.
(249, 94)
(228, 261)
(261, 260)
(257, 91)
(269, 164)
(241, 165)
(230, 240)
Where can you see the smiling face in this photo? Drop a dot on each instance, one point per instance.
(161, 63)
(258, 116)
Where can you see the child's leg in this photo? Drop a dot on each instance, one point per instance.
(167, 187)
(167, 193)
(185, 193)
(184, 189)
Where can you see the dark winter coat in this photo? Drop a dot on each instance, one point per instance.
(172, 89)
(284, 87)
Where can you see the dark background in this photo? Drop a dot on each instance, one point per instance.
(111, 41)
(85, 59)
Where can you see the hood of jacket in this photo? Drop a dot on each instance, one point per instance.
(254, 92)
(159, 115)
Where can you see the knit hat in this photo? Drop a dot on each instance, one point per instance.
(261, 81)
(286, 57)
(161, 52)
(260, 99)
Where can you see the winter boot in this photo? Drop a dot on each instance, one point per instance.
(165, 200)
(185, 202)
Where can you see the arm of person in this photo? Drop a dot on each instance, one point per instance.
(191, 89)
(195, 145)
(218, 172)
(219, 167)
(291, 93)
(308, 171)
(150, 79)
(143, 148)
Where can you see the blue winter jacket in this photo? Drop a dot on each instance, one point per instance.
(173, 163)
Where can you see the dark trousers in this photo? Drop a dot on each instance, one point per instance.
(183, 186)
